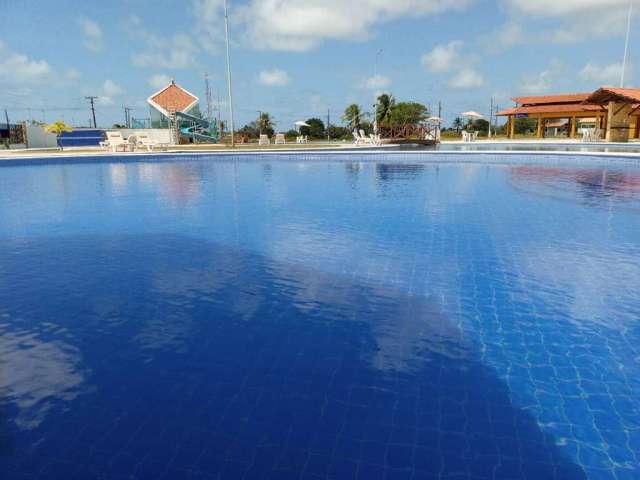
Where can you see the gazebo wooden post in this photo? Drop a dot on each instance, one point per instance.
(512, 126)
(573, 127)
(539, 125)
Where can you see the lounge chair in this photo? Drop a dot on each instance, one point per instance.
(280, 139)
(264, 140)
(114, 141)
(596, 136)
(143, 140)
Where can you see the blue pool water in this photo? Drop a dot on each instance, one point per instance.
(357, 317)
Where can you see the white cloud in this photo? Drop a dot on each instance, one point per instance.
(376, 82)
(552, 8)
(16, 68)
(208, 16)
(602, 75)
(296, 25)
(176, 53)
(93, 37)
(72, 74)
(443, 58)
(447, 58)
(544, 81)
(274, 78)
(577, 20)
(467, 78)
(159, 81)
(110, 91)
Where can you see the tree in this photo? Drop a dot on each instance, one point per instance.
(408, 113)
(457, 124)
(264, 124)
(338, 132)
(481, 125)
(58, 127)
(525, 125)
(352, 116)
(384, 105)
(315, 128)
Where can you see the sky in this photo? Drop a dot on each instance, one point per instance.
(298, 59)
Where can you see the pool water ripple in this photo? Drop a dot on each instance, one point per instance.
(276, 318)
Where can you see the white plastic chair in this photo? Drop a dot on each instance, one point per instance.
(264, 140)
(115, 141)
(280, 139)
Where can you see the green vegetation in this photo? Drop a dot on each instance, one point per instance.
(353, 117)
(57, 127)
(315, 129)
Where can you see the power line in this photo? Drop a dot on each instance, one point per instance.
(91, 99)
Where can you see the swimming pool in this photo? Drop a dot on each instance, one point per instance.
(394, 316)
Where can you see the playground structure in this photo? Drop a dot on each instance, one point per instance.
(175, 108)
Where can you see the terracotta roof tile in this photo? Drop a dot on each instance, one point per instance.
(607, 94)
(561, 108)
(547, 99)
(173, 97)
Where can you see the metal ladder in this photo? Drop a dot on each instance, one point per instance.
(173, 126)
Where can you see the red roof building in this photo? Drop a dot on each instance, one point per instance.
(592, 110)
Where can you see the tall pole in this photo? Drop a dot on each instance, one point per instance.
(6, 117)
(626, 45)
(490, 117)
(226, 40)
(328, 124)
(93, 109)
(375, 114)
(260, 121)
(208, 95)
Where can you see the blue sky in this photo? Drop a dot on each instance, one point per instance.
(299, 58)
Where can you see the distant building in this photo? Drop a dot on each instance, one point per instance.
(170, 99)
(614, 111)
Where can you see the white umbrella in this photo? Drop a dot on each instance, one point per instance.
(434, 119)
(300, 123)
(471, 114)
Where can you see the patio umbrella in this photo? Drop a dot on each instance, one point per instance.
(434, 119)
(471, 114)
(300, 123)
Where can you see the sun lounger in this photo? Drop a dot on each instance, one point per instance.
(280, 139)
(114, 142)
(144, 141)
(264, 140)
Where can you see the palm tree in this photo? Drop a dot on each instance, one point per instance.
(57, 127)
(458, 124)
(384, 105)
(265, 122)
(352, 116)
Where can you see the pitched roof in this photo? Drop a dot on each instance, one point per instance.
(172, 97)
(606, 94)
(549, 99)
(558, 108)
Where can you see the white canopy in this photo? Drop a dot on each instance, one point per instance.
(434, 119)
(471, 114)
(300, 123)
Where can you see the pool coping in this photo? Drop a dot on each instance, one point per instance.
(428, 155)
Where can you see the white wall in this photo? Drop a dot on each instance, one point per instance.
(158, 135)
(38, 138)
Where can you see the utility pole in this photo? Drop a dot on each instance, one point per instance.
(626, 44)
(93, 109)
(260, 121)
(6, 116)
(226, 41)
